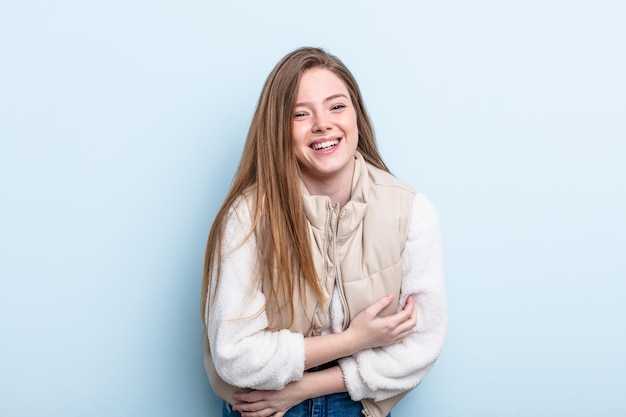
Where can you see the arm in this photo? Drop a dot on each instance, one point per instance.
(277, 403)
(366, 330)
(328, 381)
(245, 354)
(384, 372)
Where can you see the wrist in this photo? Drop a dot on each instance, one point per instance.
(351, 342)
(305, 388)
(325, 382)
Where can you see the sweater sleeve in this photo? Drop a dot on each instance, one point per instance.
(244, 352)
(381, 373)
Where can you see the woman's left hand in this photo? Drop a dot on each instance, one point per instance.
(268, 403)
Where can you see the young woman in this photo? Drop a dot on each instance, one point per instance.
(323, 286)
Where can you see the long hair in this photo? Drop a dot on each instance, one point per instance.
(269, 171)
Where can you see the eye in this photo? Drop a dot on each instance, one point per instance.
(299, 114)
(338, 107)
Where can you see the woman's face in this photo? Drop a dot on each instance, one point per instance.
(324, 127)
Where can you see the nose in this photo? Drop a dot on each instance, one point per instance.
(321, 123)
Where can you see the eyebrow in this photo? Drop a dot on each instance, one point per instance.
(329, 98)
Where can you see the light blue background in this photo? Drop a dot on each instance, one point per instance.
(121, 124)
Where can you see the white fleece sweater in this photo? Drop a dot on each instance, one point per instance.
(247, 355)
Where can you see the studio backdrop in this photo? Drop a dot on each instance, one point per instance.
(121, 125)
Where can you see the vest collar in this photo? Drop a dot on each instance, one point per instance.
(316, 206)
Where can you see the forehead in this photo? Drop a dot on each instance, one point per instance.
(317, 84)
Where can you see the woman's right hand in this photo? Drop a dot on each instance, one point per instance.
(368, 330)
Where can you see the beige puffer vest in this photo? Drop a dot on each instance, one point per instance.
(357, 248)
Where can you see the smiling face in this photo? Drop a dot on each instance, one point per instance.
(324, 128)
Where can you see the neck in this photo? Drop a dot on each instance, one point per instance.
(338, 189)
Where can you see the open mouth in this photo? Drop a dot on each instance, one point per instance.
(327, 144)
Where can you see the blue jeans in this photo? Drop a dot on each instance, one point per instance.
(333, 405)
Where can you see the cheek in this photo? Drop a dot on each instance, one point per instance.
(354, 126)
(298, 136)
(355, 129)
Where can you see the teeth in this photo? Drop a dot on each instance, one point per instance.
(325, 145)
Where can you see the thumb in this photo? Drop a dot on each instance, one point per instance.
(379, 305)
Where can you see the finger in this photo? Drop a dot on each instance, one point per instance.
(409, 303)
(267, 412)
(413, 309)
(252, 396)
(402, 315)
(407, 327)
(405, 319)
(379, 305)
(409, 307)
(250, 407)
(414, 315)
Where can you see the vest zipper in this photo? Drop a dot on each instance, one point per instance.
(338, 281)
(326, 247)
(365, 411)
